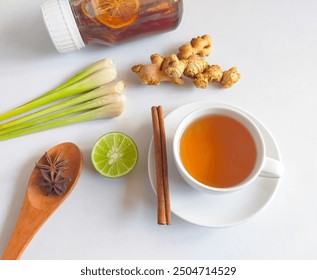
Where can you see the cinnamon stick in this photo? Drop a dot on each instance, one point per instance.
(165, 166)
(162, 188)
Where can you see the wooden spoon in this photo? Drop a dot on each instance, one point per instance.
(37, 206)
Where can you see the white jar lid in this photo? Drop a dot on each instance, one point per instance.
(61, 25)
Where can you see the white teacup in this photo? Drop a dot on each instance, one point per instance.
(263, 166)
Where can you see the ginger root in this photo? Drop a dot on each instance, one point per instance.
(173, 67)
(200, 46)
(189, 62)
(195, 66)
(213, 73)
(152, 74)
(230, 77)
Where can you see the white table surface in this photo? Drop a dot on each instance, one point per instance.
(273, 44)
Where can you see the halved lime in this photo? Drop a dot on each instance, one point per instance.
(114, 155)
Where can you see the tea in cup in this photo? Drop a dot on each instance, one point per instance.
(220, 149)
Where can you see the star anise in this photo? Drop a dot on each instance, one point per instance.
(53, 166)
(56, 183)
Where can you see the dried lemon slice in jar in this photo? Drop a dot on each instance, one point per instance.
(116, 13)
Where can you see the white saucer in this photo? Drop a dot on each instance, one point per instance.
(211, 210)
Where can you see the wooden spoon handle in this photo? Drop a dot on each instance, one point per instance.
(25, 229)
(37, 207)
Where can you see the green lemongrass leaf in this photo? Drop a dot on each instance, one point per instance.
(111, 88)
(91, 82)
(99, 65)
(88, 105)
(107, 111)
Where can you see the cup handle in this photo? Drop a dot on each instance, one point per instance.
(272, 168)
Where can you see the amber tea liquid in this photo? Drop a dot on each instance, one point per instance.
(112, 22)
(218, 151)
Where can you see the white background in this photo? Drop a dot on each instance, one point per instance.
(273, 44)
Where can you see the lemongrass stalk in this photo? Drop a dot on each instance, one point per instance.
(111, 88)
(88, 105)
(107, 111)
(91, 82)
(99, 65)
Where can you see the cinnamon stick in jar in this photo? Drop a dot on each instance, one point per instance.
(161, 167)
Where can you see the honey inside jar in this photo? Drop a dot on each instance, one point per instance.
(110, 22)
(218, 151)
(73, 24)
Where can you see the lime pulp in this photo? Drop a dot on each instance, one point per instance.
(114, 155)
